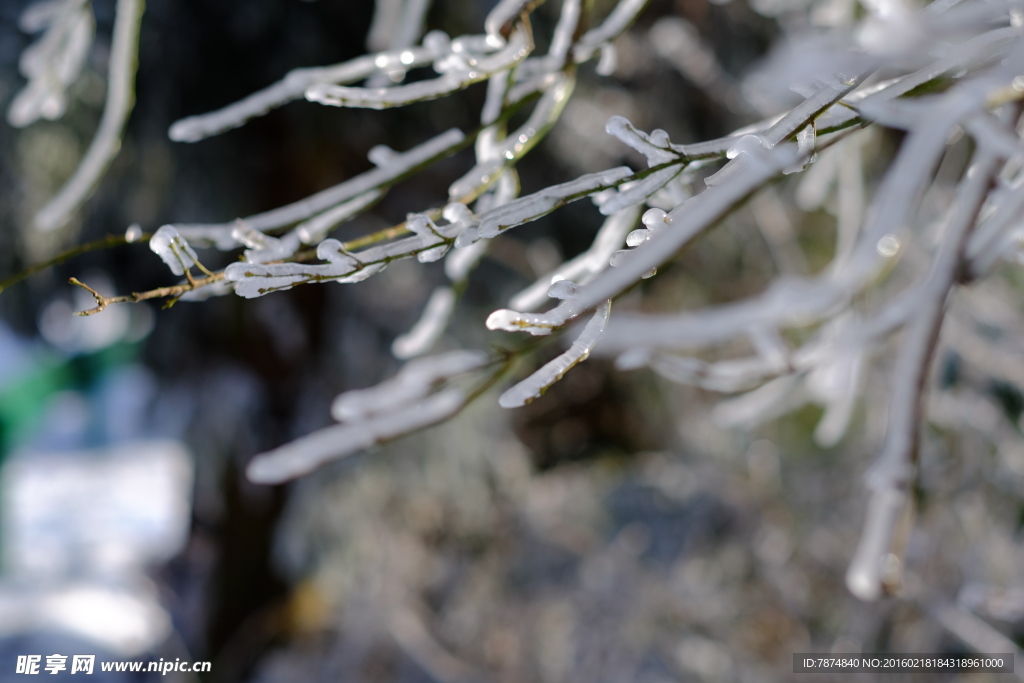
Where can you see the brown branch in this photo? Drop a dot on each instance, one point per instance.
(135, 297)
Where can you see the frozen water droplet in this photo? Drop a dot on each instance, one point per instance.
(563, 289)
(637, 237)
(333, 251)
(608, 62)
(888, 246)
(650, 273)
(382, 155)
(659, 138)
(654, 217)
(421, 225)
(617, 258)
(746, 145)
(457, 212)
(432, 254)
(133, 233)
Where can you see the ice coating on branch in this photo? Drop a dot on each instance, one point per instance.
(836, 385)
(585, 266)
(433, 254)
(562, 38)
(537, 324)
(293, 86)
(545, 113)
(421, 224)
(313, 230)
(382, 155)
(173, 250)
(310, 452)
(562, 289)
(415, 380)
(537, 383)
(654, 146)
(636, 191)
(254, 279)
(430, 326)
(753, 150)
(54, 61)
(457, 213)
(545, 201)
(608, 62)
(334, 251)
(262, 247)
(624, 14)
(325, 208)
(458, 71)
(637, 237)
(500, 18)
(748, 144)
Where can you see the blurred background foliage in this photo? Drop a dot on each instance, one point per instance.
(609, 531)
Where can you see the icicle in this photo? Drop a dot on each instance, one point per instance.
(805, 140)
(537, 383)
(608, 62)
(562, 289)
(431, 325)
(173, 249)
(461, 261)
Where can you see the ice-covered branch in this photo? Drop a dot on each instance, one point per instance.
(892, 474)
(398, 167)
(293, 86)
(55, 61)
(459, 69)
(537, 383)
(429, 243)
(408, 402)
(107, 142)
